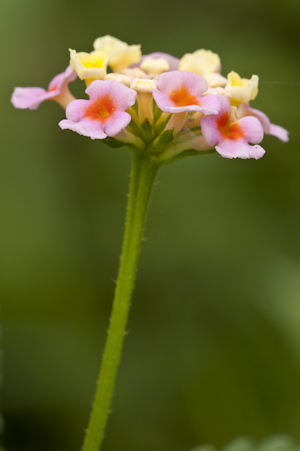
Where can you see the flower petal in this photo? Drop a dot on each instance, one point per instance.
(210, 131)
(280, 132)
(85, 127)
(239, 149)
(122, 96)
(172, 60)
(252, 129)
(117, 122)
(28, 97)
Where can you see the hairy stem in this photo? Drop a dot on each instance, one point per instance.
(142, 178)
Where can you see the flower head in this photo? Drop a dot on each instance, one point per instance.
(158, 103)
(58, 90)
(104, 114)
(179, 92)
(231, 137)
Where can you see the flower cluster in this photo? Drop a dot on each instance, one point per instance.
(159, 104)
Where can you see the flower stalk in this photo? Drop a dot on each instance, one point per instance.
(143, 174)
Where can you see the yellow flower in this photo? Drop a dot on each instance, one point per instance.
(200, 62)
(242, 90)
(120, 54)
(89, 66)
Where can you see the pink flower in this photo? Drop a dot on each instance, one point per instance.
(57, 90)
(230, 136)
(179, 91)
(104, 114)
(269, 129)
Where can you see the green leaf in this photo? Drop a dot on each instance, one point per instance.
(112, 142)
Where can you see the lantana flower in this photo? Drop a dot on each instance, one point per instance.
(104, 114)
(201, 62)
(242, 90)
(89, 66)
(180, 92)
(269, 129)
(120, 54)
(58, 91)
(144, 88)
(155, 66)
(172, 61)
(230, 136)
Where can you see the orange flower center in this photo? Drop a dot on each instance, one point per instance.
(232, 132)
(100, 109)
(182, 97)
(52, 89)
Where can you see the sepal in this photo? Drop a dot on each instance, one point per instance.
(161, 142)
(148, 132)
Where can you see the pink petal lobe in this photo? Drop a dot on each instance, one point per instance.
(210, 104)
(76, 109)
(239, 149)
(85, 127)
(280, 132)
(210, 131)
(117, 122)
(28, 97)
(252, 129)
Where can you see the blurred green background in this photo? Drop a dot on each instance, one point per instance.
(213, 349)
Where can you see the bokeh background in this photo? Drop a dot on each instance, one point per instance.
(213, 349)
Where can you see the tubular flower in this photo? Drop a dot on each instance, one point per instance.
(172, 61)
(179, 92)
(58, 90)
(104, 114)
(269, 129)
(144, 88)
(230, 136)
(89, 66)
(242, 90)
(164, 106)
(120, 54)
(155, 66)
(201, 62)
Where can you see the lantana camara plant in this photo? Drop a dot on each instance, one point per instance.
(162, 108)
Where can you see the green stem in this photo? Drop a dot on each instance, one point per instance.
(142, 178)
